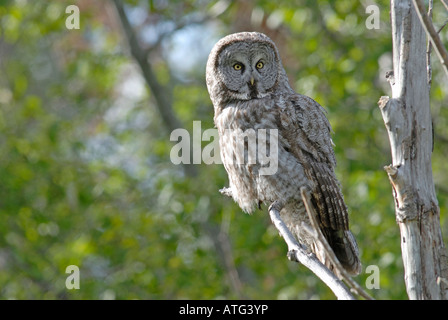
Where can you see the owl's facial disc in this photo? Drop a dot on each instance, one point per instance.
(248, 70)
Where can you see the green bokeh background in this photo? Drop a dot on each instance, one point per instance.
(85, 171)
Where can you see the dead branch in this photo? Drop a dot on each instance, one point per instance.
(317, 233)
(296, 252)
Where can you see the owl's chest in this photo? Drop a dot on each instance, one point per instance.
(248, 135)
(244, 132)
(246, 115)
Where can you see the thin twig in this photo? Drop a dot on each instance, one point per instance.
(432, 34)
(445, 4)
(443, 26)
(317, 233)
(178, 26)
(429, 49)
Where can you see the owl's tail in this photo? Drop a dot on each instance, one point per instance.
(345, 248)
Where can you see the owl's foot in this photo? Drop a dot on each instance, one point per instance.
(226, 191)
(276, 205)
(292, 255)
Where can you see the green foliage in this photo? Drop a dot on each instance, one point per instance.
(85, 170)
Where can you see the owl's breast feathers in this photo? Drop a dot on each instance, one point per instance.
(236, 121)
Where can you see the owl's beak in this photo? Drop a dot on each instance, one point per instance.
(252, 81)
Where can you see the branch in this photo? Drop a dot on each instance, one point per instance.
(162, 94)
(159, 92)
(179, 26)
(317, 233)
(445, 4)
(297, 252)
(428, 48)
(432, 34)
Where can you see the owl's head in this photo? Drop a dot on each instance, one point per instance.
(244, 66)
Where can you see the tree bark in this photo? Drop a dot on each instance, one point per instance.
(408, 122)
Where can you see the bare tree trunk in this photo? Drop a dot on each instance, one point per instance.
(408, 122)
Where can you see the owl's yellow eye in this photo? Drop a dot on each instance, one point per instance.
(237, 66)
(259, 65)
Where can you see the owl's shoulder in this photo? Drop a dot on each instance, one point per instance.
(304, 123)
(296, 104)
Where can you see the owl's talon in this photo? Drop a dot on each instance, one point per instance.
(292, 255)
(277, 205)
(226, 191)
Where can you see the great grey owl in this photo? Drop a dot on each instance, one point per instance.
(250, 92)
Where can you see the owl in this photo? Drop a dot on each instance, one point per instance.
(251, 95)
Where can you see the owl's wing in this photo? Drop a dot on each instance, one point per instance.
(307, 134)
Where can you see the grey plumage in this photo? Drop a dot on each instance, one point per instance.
(249, 89)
